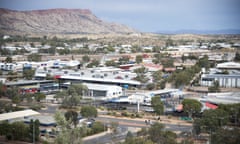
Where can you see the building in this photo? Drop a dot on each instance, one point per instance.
(224, 80)
(227, 74)
(102, 92)
(101, 75)
(31, 86)
(222, 98)
(17, 115)
(229, 65)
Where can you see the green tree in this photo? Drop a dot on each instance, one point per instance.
(161, 84)
(97, 127)
(94, 63)
(88, 111)
(16, 99)
(34, 57)
(123, 60)
(191, 106)
(141, 70)
(32, 44)
(129, 137)
(169, 42)
(72, 116)
(111, 63)
(67, 135)
(34, 130)
(226, 136)
(167, 62)
(85, 59)
(204, 62)
(158, 135)
(2, 90)
(11, 92)
(71, 101)
(73, 95)
(157, 76)
(139, 59)
(79, 89)
(157, 105)
(8, 59)
(61, 94)
(237, 57)
(157, 58)
(215, 87)
(213, 119)
(110, 49)
(19, 131)
(141, 78)
(28, 74)
(39, 96)
(137, 140)
(5, 128)
(150, 86)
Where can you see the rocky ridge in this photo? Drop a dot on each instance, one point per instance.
(56, 21)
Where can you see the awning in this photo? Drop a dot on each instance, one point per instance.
(179, 107)
(211, 106)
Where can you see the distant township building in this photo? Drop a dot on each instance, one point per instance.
(229, 80)
(100, 75)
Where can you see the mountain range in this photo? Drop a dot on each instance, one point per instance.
(56, 21)
(204, 32)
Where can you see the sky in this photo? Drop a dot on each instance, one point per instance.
(149, 15)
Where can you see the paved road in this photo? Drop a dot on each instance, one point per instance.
(50, 108)
(125, 124)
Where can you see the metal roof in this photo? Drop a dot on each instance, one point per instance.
(18, 114)
(102, 87)
(27, 82)
(45, 120)
(229, 65)
(132, 82)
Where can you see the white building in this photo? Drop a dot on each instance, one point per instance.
(103, 75)
(229, 65)
(103, 92)
(230, 80)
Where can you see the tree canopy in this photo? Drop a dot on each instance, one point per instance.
(157, 105)
(85, 58)
(191, 106)
(72, 116)
(88, 111)
(215, 87)
(28, 74)
(155, 134)
(139, 59)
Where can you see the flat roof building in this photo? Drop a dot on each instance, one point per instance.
(103, 92)
(18, 115)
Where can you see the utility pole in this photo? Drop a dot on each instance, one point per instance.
(33, 132)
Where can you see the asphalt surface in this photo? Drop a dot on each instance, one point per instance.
(124, 125)
(123, 128)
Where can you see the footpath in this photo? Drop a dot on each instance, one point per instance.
(163, 119)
